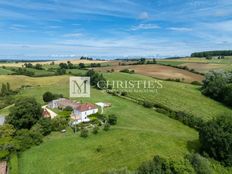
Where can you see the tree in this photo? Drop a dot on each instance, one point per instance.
(81, 65)
(214, 84)
(112, 119)
(38, 66)
(216, 139)
(228, 94)
(156, 166)
(48, 96)
(3, 90)
(25, 113)
(28, 138)
(45, 126)
(60, 71)
(7, 130)
(200, 164)
(84, 133)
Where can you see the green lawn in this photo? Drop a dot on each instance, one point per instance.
(177, 96)
(139, 135)
(5, 71)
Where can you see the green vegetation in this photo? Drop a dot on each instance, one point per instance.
(212, 53)
(4, 71)
(218, 85)
(140, 132)
(48, 96)
(25, 113)
(176, 96)
(131, 142)
(215, 138)
(14, 164)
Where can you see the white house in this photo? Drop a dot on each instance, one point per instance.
(82, 111)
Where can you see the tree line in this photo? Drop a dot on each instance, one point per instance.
(212, 53)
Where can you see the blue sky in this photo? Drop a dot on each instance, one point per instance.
(113, 28)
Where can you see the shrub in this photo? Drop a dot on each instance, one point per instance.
(84, 133)
(147, 104)
(200, 164)
(196, 83)
(68, 108)
(99, 148)
(124, 93)
(47, 97)
(95, 130)
(27, 138)
(45, 126)
(216, 139)
(106, 127)
(112, 119)
(157, 166)
(59, 123)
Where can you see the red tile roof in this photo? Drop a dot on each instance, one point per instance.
(46, 113)
(86, 107)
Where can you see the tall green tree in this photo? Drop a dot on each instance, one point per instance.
(25, 113)
(216, 139)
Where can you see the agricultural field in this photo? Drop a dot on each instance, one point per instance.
(139, 135)
(137, 128)
(201, 65)
(74, 61)
(157, 71)
(177, 96)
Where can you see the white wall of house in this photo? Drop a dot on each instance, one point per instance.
(84, 114)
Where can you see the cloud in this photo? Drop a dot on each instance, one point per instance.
(144, 15)
(180, 29)
(73, 35)
(145, 27)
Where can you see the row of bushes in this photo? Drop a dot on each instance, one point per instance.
(191, 164)
(127, 71)
(184, 68)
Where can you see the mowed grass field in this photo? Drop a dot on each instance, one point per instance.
(139, 135)
(176, 96)
(158, 71)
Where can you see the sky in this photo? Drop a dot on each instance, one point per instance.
(113, 28)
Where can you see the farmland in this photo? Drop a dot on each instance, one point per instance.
(75, 61)
(140, 133)
(132, 132)
(201, 65)
(177, 96)
(158, 71)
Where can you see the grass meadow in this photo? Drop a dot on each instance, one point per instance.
(140, 133)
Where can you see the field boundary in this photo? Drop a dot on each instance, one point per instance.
(185, 118)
